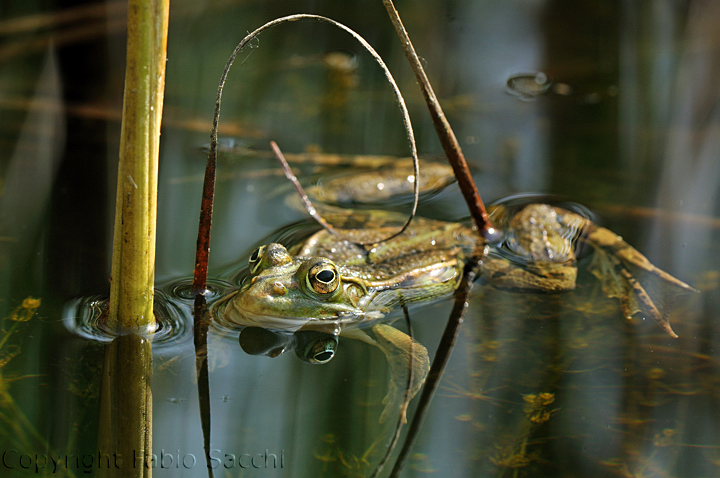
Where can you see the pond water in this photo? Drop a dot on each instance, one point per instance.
(613, 106)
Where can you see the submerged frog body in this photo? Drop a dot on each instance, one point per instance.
(329, 285)
(381, 184)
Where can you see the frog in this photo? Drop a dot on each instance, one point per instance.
(334, 287)
(340, 286)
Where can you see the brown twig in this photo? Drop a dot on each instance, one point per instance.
(445, 133)
(201, 317)
(298, 187)
(321, 220)
(202, 251)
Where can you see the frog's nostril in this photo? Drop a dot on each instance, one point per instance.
(279, 289)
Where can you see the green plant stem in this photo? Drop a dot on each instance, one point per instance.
(8, 334)
(133, 263)
(126, 407)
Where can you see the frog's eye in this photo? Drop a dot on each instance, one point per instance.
(255, 257)
(323, 278)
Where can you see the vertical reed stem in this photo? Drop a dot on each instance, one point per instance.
(125, 429)
(133, 263)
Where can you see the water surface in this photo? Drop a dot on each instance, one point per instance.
(537, 385)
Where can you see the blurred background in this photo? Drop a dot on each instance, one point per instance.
(613, 105)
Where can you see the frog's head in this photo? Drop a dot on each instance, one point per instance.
(287, 293)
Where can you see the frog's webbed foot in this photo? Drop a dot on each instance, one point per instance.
(630, 277)
(408, 361)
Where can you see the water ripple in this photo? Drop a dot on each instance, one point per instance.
(84, 317)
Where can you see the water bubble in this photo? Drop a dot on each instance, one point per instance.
(528, 86)
(183, 289)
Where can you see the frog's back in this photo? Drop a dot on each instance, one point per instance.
(423, 263)
(421, 240)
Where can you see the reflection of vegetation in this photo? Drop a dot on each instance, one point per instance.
(536, 407)
(84, 375)
(515, 455)
(13, 421)
(421, 462)
(343, 463)
(15, 426)
(25, 311)
(476, 391)
(579, 372)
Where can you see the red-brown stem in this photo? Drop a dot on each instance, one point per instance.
(442, 127)
(206, 209)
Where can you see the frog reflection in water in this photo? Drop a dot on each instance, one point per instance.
(333, 285)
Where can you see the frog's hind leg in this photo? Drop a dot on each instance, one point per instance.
(546, 277)
(409, 365)
(601, 237)
(613, 265)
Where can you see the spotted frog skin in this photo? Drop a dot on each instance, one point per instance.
(331, 284)
(324, 280)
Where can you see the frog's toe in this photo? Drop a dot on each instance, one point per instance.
(393, 402)
(604, 238)
(641, 301)
(629, 276)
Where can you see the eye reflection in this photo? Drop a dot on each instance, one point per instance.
(310, 346)
(315, 347)
(259, 341)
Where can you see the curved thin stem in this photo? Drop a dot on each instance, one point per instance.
(442, 355)
(203, 242)
(406, 399)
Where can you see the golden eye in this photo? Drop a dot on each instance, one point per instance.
(323, 278)
(255, 257)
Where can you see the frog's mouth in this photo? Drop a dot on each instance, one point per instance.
(233, 312)
(237, 316)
